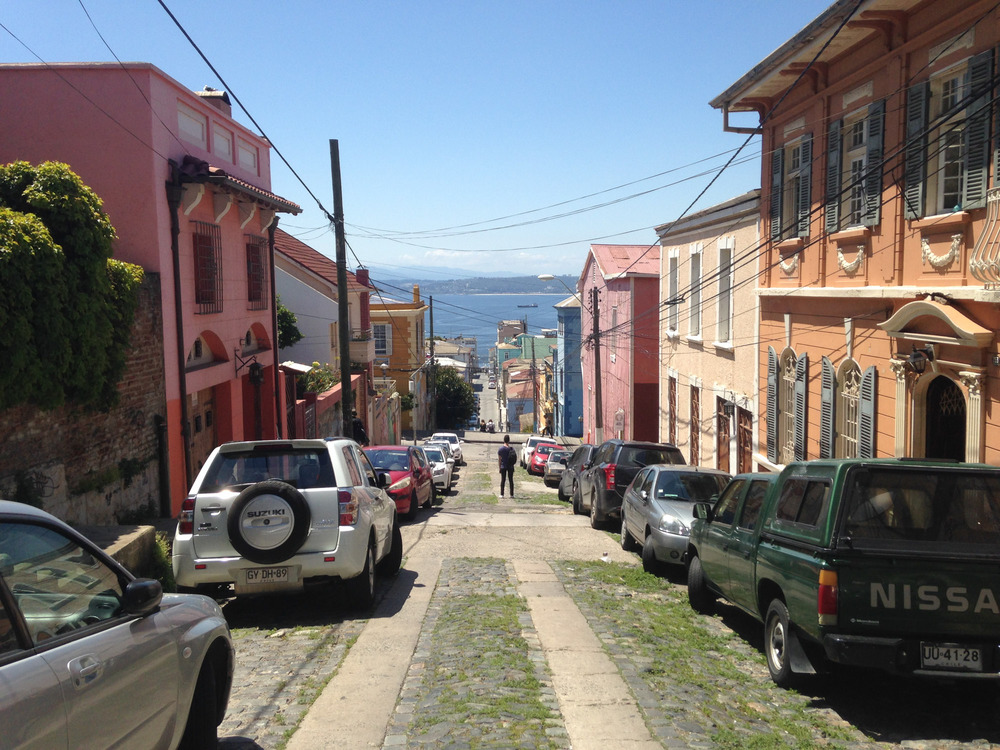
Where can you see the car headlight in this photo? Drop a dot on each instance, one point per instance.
(438, 470)
(402, 484)
(673, 525)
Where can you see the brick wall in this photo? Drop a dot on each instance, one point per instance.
(96, 468)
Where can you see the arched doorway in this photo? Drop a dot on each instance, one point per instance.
(946, 423)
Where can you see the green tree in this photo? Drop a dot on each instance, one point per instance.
(288, 329)
(67, 308)
(454, 400)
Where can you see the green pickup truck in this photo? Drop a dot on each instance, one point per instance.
(892, 564)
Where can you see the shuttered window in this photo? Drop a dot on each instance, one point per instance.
(791, 190)
(787, 385)
(948, 146)
(854, 169)
(847, 410)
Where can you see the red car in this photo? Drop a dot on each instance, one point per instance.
(411, 483)
(536, 465)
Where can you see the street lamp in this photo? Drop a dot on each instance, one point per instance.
(550, 277)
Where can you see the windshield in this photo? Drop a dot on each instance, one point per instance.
(689, 486)
(434, 454)
(635, 456)
(933, 506)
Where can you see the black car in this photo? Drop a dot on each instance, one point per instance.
(602, 484)
(571, 475)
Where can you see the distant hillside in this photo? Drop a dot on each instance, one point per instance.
(482, 285)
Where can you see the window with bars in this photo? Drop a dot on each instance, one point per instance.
(207, 240)
(256, 273)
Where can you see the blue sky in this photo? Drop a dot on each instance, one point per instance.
(489, 120)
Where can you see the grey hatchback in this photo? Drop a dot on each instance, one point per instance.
(658, 509)
(92, 657)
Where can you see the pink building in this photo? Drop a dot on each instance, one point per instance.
(619, 287)
(187, 189)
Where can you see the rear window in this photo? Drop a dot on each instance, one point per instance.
(634, 456)
(671, 485)
(933, 507)
(300, 468)
(388, 460)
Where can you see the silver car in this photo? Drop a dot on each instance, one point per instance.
(92, 657)
(658, 507)
(554, 467)
(270, 516)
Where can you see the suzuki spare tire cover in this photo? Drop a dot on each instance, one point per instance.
(268, 522)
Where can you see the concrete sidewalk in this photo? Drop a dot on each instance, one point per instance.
(384, 680)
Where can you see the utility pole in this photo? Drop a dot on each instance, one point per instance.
(598, 400)
(432, 414)
(343, 311)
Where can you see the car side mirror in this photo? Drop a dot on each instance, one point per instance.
(384, 480)
(142, 596)
(644, 495)
(703, 511)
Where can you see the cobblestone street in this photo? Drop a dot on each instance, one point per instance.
(477, 644)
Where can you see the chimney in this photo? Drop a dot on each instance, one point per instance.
(361, 274)
(416, 294)
(218, 99)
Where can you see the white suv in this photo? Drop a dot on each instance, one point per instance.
(277, 515)
(454, 442)
(529, 447)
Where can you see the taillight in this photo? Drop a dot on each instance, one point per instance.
(186, 518)
(826, 601)
(348, 508)
(609, 477)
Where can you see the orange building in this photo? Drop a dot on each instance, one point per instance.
(878, 288)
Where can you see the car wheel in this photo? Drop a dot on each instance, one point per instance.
(700, 597)
(596, 519)
(628, 543)
(202, 730)
(577, 501)
(411, 512)
(433, 496)
(777, 638)
(268, 522)
(389, 565)
(362, 587)
(649, 562)
(559, 493)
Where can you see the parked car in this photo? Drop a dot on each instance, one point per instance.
(577, 463)
(441, 464)
(411, 483)
(614, 465)
(539, 456)
(554, 466)
(658, 508)
(888, 564)
(90, 656)
(454, 442)
(269, 516)
(529, 446)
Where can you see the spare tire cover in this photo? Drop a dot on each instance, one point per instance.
(268, 522)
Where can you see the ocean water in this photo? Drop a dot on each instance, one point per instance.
(477, 315)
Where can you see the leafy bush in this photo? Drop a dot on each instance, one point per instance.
(67, 309)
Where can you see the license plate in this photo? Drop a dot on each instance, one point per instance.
(262, 576)
(951, 656)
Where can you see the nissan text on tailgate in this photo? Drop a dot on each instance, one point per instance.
(892, 564)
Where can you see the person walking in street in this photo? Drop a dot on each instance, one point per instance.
(358, 428)
(506, 460)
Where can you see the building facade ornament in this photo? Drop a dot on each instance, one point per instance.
(854, 265)
(940, 261)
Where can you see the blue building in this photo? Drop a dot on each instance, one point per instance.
(567, 371)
